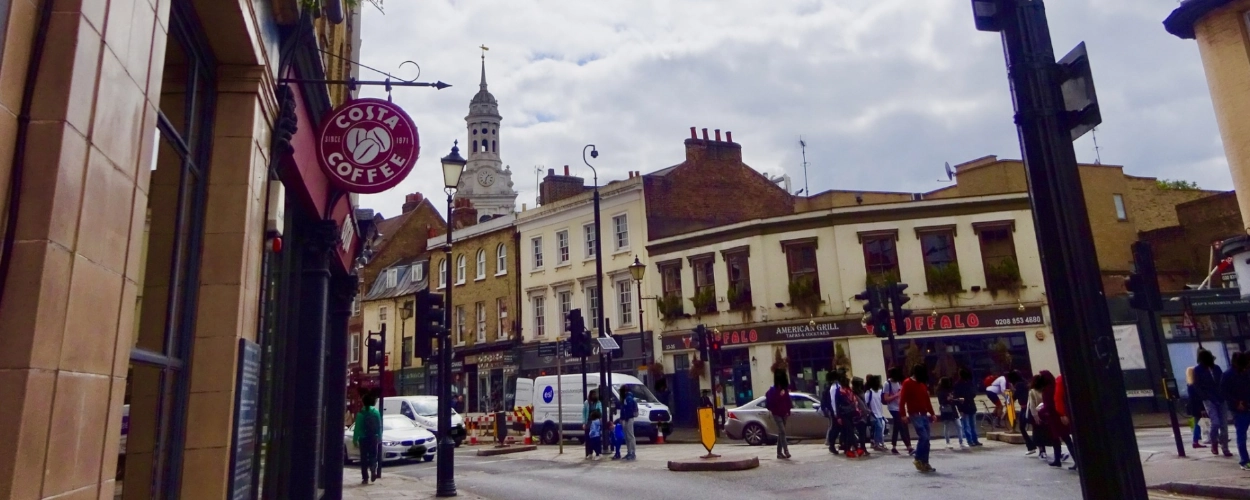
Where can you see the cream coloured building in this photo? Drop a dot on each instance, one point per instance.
(785, 287)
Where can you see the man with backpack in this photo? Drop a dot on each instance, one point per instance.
(829, 410)
(367, 436)
(629, 411)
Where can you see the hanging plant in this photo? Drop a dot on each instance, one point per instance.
(882, 279)
(698, 368)
(1000, 352)
(739, 298)
(656, 370)
(670, 308)
(704, 301)
(1003, 277)
(840, 359)
(779, 362)
(805, 295)
(945, 281)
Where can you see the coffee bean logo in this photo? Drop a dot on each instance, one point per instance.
(366, 144)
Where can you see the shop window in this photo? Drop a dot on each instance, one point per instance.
(739, 292)
(501, 260)
(481, 264)
(562, 247)
(481, 322)
(407, 360)
(624, 303)
(620, 228)
(157, 386)
(704, 283)
(536, 244)
(941, 268)
(589, 231)
(983, 355)
(801, 267)
(880, 257)
(540, 315)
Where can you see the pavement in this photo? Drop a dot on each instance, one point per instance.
(546, 474)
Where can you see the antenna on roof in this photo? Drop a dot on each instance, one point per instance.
(803, 148)
(1097, 150)
(950, 174)
(538, 182)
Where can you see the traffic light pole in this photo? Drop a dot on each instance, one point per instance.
(1106, 446)
(445, 474)
(1144, 295)
(889, 326)
(1165, 377)
(604, 398)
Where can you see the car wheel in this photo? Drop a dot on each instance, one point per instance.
(754, 434)
(551, 435)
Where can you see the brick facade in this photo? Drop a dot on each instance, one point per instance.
(711, 188)
(1183, 251)
(494, 286)
(403, 236)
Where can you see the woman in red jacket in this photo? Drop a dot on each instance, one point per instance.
(1054, 415)
(916, 408)
(777, 400)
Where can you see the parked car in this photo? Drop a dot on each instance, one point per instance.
(752, 423)
(423, 411)
(401, 440)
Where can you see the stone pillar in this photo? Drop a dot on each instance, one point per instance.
(343, 289)
(307, 373)
(1226, 60)
(67, 315)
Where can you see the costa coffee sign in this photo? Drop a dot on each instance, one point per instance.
(367, 145)
(787, 332)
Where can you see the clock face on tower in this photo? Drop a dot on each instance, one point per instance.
(486, 178)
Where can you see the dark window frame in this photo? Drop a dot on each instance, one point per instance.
(798, 254)
(738, 272)
(880, 254)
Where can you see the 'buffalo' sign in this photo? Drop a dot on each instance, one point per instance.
(367, 145)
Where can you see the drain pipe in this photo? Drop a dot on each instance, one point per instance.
(19, 149)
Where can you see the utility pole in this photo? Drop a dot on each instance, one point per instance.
(1054, 104)
(1144, 295)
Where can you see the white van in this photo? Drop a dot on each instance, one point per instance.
(423, 411)
(653, 419)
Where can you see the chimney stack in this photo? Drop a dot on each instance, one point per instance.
(729, 136)
(463, 215)
(554, 187)
(693, 135)
(706, 149)
(717, 135)
(705, 134)
(566, 170)
(412, 201)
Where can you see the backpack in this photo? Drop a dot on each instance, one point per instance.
(862, 412)
(989, 380)
(826, 402)
(847, 408)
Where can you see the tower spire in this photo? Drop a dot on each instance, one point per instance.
(484, 49)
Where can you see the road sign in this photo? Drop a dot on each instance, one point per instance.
(707, 429)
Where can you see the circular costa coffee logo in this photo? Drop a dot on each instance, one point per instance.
(367, 145)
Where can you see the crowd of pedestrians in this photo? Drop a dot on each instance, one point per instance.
(1213, 394)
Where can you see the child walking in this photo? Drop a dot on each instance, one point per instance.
(596, 434)
(947, 413)
(872, 396)
(618, 439)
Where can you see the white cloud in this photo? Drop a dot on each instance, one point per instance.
(884, 91)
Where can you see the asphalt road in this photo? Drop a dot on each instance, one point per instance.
(994, 472)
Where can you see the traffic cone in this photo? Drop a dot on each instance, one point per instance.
(659, 436)
(528, 439)
(472, 433)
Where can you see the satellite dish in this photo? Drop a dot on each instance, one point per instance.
(950, 174)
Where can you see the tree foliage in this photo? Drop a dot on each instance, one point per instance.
(1176, 185)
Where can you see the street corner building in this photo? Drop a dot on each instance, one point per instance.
(178, 269)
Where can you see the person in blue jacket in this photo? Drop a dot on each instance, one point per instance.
(629, 411)
(1207, 378)
(1236, 389)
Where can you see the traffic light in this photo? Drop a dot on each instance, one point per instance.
(579, 342)
(898, 298)
(701, 341)
(430, 315)
(375, 354)
(1143, 285)
(875, 314)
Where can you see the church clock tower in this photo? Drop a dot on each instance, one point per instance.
(486, 182)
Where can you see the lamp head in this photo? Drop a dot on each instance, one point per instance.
(453, 166)
(637, 270)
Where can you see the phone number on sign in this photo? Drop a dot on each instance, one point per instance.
(1025, 320)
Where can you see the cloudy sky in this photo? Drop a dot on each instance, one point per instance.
(883, 91)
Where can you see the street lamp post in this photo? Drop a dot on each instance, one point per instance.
(453, 166)
(637, 270)
(605, 374)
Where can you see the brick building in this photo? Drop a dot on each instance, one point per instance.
(485, 298)
(1184, 253)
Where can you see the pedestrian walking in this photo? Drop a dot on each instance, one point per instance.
(777, 400)
(891, 395)
(367, 437)
(618, 439)
(1236, 388)
(594, 436)
(1196, 412)
(1054, 416)
(1040, 436)
(1020, 393)
(917, 409)
(872, 396)
(847, 417)
(947, 413)
(1207, 377)
(629, 412)
(966, 404)
(705, 400)
(863, 417)
(828, 408)
(590, 409)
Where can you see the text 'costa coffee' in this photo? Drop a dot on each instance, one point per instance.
(367, 145)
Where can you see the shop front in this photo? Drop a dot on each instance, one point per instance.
(1218, 321)
(985, 341)
(539, 359)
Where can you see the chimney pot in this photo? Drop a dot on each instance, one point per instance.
(717, 135)
(729, 136)
(705, 134)
(566, 170)
(692, 133)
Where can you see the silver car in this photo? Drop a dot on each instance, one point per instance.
(401, 440)
(753, 423)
